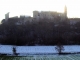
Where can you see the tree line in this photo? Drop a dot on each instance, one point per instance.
(39, 32)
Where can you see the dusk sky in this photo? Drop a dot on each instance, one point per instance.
(26, 7)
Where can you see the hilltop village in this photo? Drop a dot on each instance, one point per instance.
(37, 15)
(44, 28)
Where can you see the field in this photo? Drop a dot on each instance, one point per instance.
(42, 57)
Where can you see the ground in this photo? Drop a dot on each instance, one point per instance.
(42, 57)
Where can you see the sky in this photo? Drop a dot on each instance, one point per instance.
(26, 7)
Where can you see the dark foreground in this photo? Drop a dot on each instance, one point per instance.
(42, 57)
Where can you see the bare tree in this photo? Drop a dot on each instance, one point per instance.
(14, 51)
(59, 48)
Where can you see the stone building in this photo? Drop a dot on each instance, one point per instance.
(6, 16)
(50, 14)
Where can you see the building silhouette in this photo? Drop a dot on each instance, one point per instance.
(65, 11)
(6, 16)
(50, 14)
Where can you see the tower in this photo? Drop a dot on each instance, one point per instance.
(65, 11)
(35, 14)
(6, 16)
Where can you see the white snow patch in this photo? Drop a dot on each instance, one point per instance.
(36, 49)
(8, 49)
(71, 48)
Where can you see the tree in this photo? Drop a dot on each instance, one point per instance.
(59, 46)
(14, 51)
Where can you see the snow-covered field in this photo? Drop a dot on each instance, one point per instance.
(6, 49)
(39, 52)
(23, 50)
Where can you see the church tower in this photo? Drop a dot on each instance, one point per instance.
(6, 16)
(65, 11)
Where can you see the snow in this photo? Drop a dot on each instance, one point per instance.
(8, 49)
(72, 48)
(46, 49)
(36, 49)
